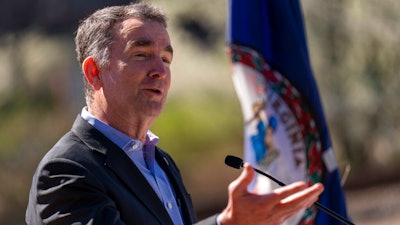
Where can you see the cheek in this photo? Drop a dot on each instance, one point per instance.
(168, 82)
(127, 74)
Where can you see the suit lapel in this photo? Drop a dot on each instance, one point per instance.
(122, 166)
(183, 198)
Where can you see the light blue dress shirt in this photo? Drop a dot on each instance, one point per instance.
(144, 158)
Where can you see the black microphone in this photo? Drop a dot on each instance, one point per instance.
(237, 163)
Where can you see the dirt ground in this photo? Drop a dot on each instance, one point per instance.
(378, 205)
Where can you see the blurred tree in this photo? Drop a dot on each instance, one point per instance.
(50, 16)
(355, 51)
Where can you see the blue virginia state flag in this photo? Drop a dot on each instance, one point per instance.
(285, 130)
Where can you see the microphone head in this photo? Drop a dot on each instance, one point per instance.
(233, 161)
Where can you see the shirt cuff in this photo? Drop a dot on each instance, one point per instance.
(218, 219)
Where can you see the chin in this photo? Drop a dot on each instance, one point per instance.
(155, 111)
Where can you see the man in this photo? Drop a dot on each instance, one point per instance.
(108, 169)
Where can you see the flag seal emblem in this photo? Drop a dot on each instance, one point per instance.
(275, 114)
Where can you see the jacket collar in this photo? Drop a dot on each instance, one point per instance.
(117, 161)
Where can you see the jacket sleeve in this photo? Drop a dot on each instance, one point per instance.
(212, 220)
(64, 192)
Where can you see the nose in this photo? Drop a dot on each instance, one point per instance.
(160, 69)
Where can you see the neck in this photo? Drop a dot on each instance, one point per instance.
(130, 125)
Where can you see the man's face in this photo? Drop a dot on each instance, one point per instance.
(138, 78)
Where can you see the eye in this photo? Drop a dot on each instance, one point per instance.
(166, 60)
(140, 55)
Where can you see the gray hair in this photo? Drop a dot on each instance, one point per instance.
(95, 34)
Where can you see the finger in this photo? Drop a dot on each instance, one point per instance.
(297, 201)
(290, 189)
(304, 198)
(281, 193)
(240, 185)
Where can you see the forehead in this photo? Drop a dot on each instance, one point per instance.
(133, 29)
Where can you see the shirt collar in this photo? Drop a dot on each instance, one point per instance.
(120, 139)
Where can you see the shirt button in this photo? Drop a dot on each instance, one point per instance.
(169, 204)
(135, 146)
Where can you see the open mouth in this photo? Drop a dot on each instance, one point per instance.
(155, 91)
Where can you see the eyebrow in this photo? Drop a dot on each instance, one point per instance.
(146, 43)
(169, 49)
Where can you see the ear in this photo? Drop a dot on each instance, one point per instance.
(91, 72)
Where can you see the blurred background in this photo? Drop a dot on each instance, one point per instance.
(354, 47)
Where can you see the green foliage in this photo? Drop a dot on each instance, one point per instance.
(197, 124)
(20, 113)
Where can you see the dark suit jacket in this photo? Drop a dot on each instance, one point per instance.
(86, 179)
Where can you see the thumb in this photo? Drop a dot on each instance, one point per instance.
(239, 186)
